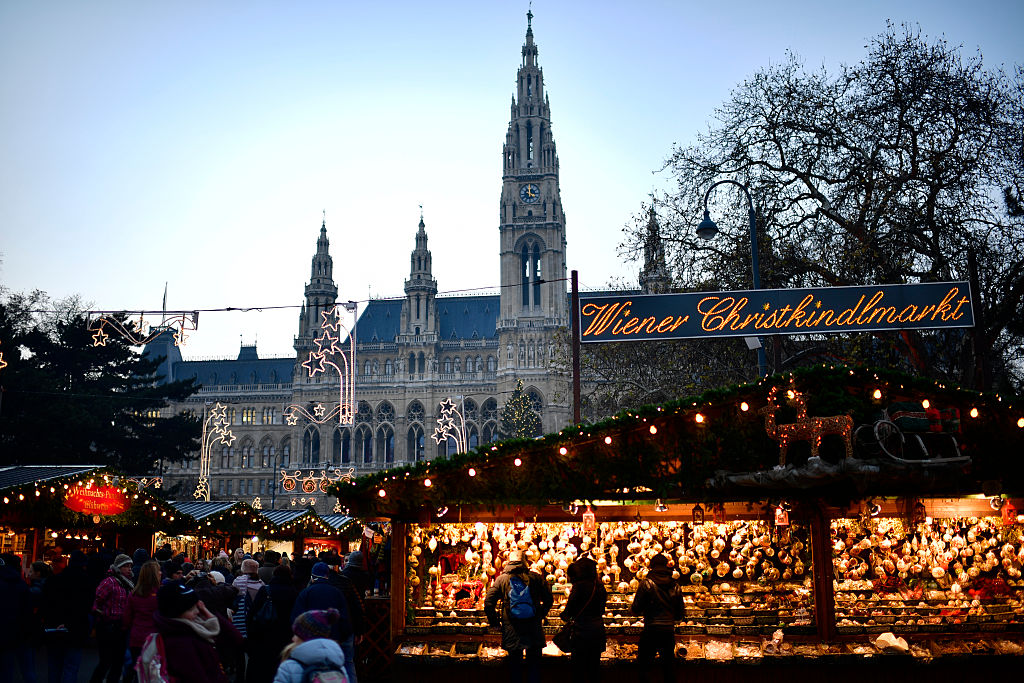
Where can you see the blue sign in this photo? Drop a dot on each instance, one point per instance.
(775, 311)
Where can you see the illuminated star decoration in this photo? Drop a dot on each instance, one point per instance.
(99, 337)
(216, 427)
(447, 428)
(331, 356)
(3, 363)
(138, 331)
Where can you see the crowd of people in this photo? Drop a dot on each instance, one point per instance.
(264, 618)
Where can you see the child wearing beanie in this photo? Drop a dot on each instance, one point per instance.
(312, 650)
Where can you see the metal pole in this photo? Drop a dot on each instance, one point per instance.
(762, 363)
(575, 348)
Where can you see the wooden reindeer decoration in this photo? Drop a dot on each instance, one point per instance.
(805, 428)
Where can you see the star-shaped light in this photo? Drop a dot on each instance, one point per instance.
(99, 337)
(446, 423)
(817, 305)
(327, 343)
(315, 363)
(447, 406)
(180, 338)
(767, 305)
(332, 318)
(218, 412)
(319, 410)
(439, 435)
(228, 438)
(3, 363)
(291, 419)
(140, 326)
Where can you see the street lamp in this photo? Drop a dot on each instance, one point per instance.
(707, 230)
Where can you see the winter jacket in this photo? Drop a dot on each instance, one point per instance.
(191, 657)
(517, 634)
(139, 558)
(274, 636)
(67, 600)
(111, 598)
(355, 570)
(322, 595)
(586, 605)
(17, 610)
(138, 618)
(319, 652)
(658, 599)
(218, 597)
(353, 599)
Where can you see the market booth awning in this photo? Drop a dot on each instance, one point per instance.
(886, 432)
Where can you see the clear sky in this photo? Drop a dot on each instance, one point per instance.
(197, 143)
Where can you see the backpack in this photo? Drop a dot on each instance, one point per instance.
(322, 673)
(151, 667)
(266, 615)
(520, 602)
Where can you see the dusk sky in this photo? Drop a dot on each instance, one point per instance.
(198, 143)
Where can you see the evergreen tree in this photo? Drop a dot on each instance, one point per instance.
(66, 401)
(518, 420)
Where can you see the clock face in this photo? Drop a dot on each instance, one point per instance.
(529, 193)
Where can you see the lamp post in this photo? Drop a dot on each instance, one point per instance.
(707, 230)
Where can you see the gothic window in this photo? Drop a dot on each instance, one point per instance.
(529, 140)
(489, 410)
(344, 456)
(311, 447)
(336, 447)
(525, 263)
(363, 412)
(412, 364)
(385, 412)
(388, 367)
(421, 365)
(536, 274)
(536, 402)
(248, 416)
(268, 416)
(492, 364)
(247, 449)
(225, 457)
(386, 443)
(415, 412)
(417, 306)
(267, 453)
(286, 452)
(469, 409)
(229, 413)
(490, 432)
(415, 444)
(364, 444)
(472, 436)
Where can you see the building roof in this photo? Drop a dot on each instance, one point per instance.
(19, 475)
(338, 522)
(279, 517)
(459, 317)
(199, 509)
(220, 372)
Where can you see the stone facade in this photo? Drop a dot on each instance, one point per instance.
(412, 353)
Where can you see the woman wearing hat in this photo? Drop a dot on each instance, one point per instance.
(108, 608)
(192, 635)
(312, 648)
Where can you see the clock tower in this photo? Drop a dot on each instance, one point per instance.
(534, 303)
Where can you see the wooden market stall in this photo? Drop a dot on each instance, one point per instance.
(804, 515)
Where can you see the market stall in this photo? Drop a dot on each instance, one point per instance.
(807, 516)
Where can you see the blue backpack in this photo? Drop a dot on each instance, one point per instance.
(520, 602)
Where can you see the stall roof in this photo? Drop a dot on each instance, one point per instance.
(279, 517)
(19, 475)
(338, 522)
(200, 509)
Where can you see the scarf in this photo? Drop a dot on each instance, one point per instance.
(207, 629)
(125, 582)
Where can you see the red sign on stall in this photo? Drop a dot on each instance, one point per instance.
(100, 500)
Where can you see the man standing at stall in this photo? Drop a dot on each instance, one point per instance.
(525, 600)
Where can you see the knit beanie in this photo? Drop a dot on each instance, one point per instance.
(173, 599)
(315, 623)
(217, 576)
(121, 560)
(321, 570)
(250, 566)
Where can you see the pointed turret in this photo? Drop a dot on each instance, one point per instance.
(654, 278)
(321, 292)
(418, 312)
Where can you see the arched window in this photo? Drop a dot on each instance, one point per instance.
(490, 432)
(363, 412)
(472, 436)
(286, 451)
(225, 457)
(345, 455)
(248, 450)
(267, 453)
(364, 444)
(387, 367)
(469, 409)
(366, 368)
(412, 364)
(536, 402)
(415, 412)
(492, 364)
(415, 444)
(447, 366)
(489, 411)
(385, 412)
(336, 447)
(421, 364)
(386, 443)
(311, 447)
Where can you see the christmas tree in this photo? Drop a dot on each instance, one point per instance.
(518, 421)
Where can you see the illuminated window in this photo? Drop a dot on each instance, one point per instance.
(268, 416)
(248, 416)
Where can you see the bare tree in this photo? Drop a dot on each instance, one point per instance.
(904, 167)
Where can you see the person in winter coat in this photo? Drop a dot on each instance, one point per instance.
(321, 595)
(247, 584)
(67, 601)
(192, 635)
(139, 558)
(519, 636)
(15, 647)
(266, 640)
(585, 606)
(218, 596)
(141, 607)
(312, 648)
(660, 602)
(355, 570)
(108, 608)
